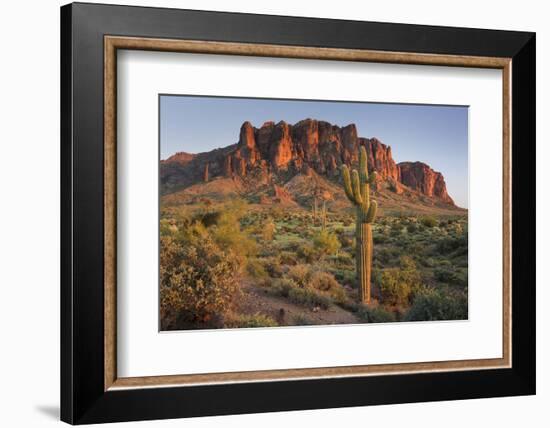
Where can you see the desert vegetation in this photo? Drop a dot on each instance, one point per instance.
(229, 264)
(307, 224)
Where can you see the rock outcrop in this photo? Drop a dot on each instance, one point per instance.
(281, 150)
(420, 177)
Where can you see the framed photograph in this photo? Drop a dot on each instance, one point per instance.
(266, 213)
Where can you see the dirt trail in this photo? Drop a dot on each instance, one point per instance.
(258, 300)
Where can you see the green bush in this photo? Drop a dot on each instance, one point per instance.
(342, 259)
(326, 242)
(433, 304)
(450, 276)
(282, 287)
(255, 268)
(379, 237)
(325, 282)
(322, 281)
(412, 228)
(452, 244)
(386, 255)
(375, 314)
(287, 258)
(228, 234)
(300, 274)
(429, 221)
(306, 252)
(397, 284)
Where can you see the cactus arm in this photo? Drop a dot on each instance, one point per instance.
(371, 213)
(372, 177)
(363, 168)
(347, 183)
(356, 187)
(364, 174)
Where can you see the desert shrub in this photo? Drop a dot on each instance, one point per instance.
(375, 314)
(300, 274)
(427, 261)
(265, 282)
(386, 255)
(450, 276)
(415, 248)
(445, 274)
(346, 277)
(250, 321)
(190, 232)
(326, 242)
(397, 226)
(434, 304)
(306, 252)
(288, 258)
(397, 284)
(255, 268)
(228, 234)
(342, 259)
(383, 221)
(339, 230)
(198, 282)
(308, 297)
(277, 213)
(209, 218)
(345, 240)
(167, 227)
(452, 244)
(282, 287)
(429, 221)
(456, 228)
(325, 282)
(286, 229)
(273, 267)
(301, 319)
(268, 230)
(347, 221)
(412, 228)
(379, 238)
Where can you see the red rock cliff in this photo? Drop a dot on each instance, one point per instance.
(420, 177)
(282, 148)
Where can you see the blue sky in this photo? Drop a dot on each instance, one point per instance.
(436, 135)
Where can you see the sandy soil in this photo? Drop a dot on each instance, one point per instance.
(257, 300)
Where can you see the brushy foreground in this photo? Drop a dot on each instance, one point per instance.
(234, 264)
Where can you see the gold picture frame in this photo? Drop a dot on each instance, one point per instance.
(114, 43)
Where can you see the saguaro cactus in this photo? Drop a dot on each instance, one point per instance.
(205, 175)
(314, 211)
(324, 216)
(357, 188)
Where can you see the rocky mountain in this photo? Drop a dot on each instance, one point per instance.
(280, 154)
